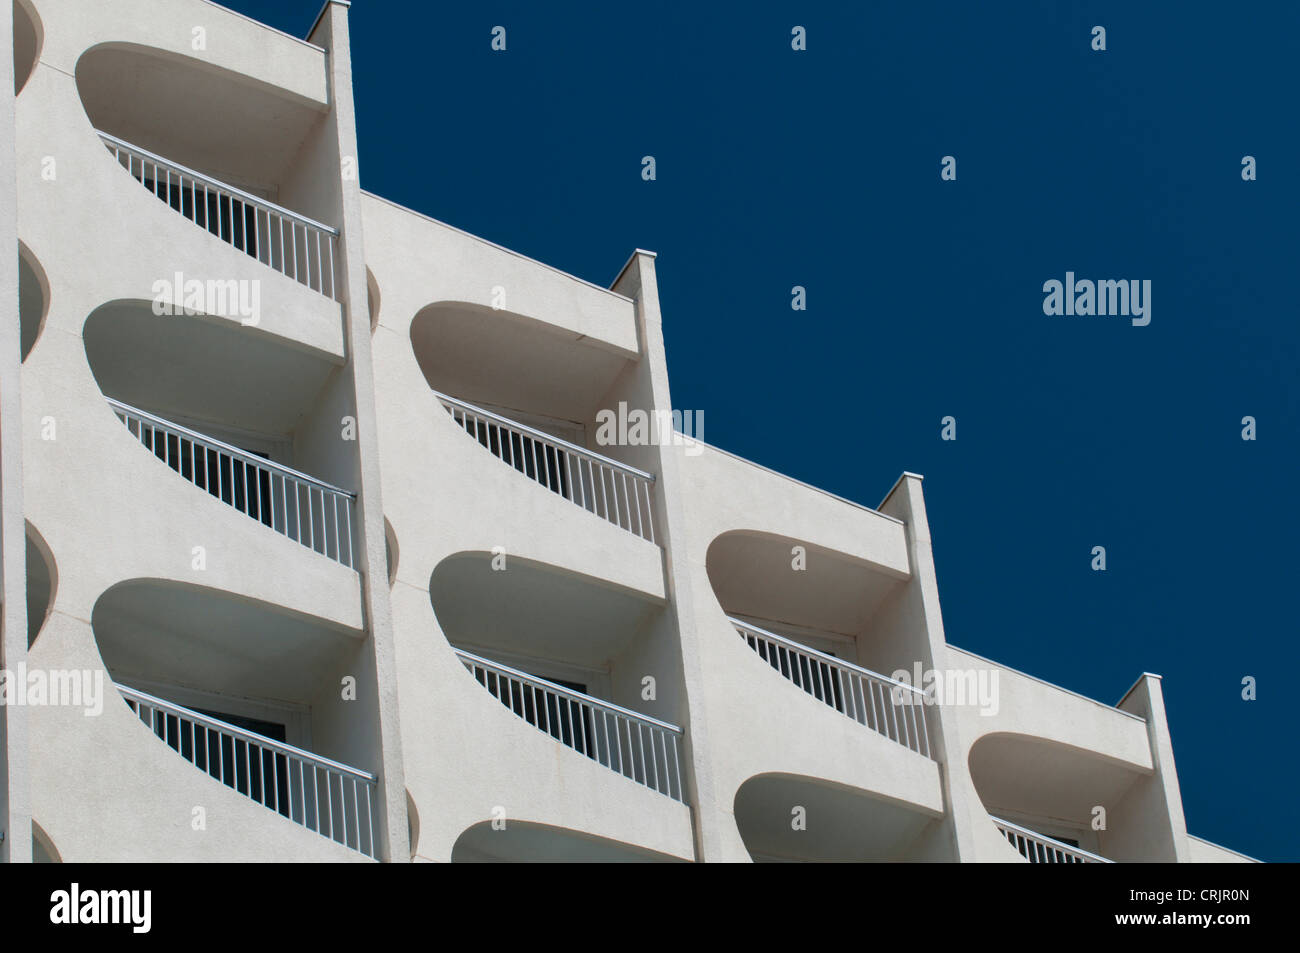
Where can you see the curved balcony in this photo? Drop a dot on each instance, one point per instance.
(1055, 803)
(245, 692)
(292, 244)
(640, 748)
(306, 510)
(886, 706)
(606, 488)
(548, 708)
(1041, 849)
(324, 796)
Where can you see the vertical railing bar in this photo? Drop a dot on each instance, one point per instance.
(370, 823)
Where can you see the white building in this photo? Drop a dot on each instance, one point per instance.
(332, 562)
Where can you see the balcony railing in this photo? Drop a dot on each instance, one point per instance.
(315, 514)
(326, 797)
(892, 708)
(638, 747)
(292, 244)
(1041, 849)
(605, 487)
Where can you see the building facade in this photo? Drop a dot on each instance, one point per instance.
(333, 533)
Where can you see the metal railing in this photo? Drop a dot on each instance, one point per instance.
(1040, 849)
(326, 797)
(315, 514)
(892, 708)
(638, 747)
(605, 487)
(292, 244)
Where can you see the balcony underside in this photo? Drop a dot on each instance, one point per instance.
(1024, 776)
(108, 789)
(533, 609)
(487, 356)
(211, 119)
(522, 842)
(752, 575)
(195, 369)
(843, 825)
(210, 641)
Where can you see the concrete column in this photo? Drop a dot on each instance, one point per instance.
(1148, 824)
(15, 804)
(638, 282)
(331, 32)
(919, 617)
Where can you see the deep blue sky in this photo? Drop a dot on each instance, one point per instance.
(821, 168)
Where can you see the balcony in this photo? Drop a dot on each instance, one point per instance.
(302, 508)
(886, 706)
(640, 748)
(324, 796)
(566, 655)
(246, 692)
(292, 244)
(1056, 803)
(540, 400)
(604, 487)
(1041, 849)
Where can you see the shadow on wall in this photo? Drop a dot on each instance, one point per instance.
(43, 850)
(28, 36)
(33, 299)
(391, 551)
(42, 583)
(372, 299)
(412, 824)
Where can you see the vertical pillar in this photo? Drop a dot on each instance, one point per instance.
(1148, 825)
(15, 807)
(331, 33)
(638, 282)
(953, 839)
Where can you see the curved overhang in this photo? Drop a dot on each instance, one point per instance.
(793, 581)
(156, 631)
(505, 360)
(535, 609)
(1022, 776)
(524, 842)
(787, 817)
